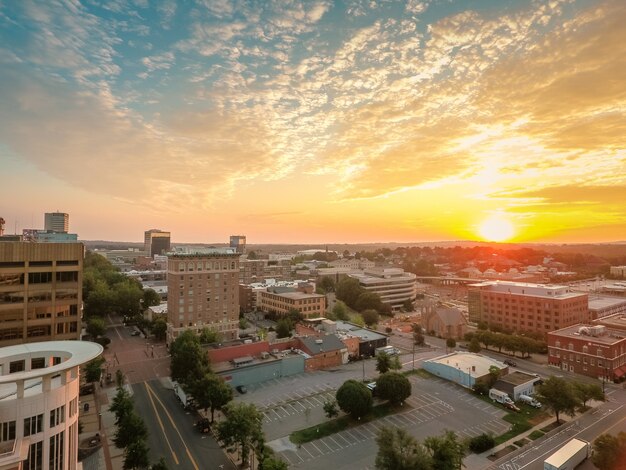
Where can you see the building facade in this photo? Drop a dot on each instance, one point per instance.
(57, 222)
(444, 322)
(310, 305)
(156, 242)
(618, 271)
(203, 291)
(522, 307)
(258, 270)
(39, 383)
(40, 291)
(592, 350)
(393, 285)
(238, 242)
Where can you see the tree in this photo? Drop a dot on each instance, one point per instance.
(354, 398)
(481, 443)
(283, 328)
(481, 387)
(160, 465)
(383, 362)
(242, 427)
(189, 361)
(341, 311)
(494, 375)
(121, 405)
(368, 300)
(588, 392)
(395, 363)
(609, 451)
(252, 255)
(130, 429)
(211, 391)
(136, 455)
(325, 284)
(159, 328)
(407, 305)
(93, 369)
(150, 298)
(294, 315)
(447, 451)
(474, 346)
(398, 450)
(127, 297)
(348, 290)
(559, 396)
(450, 343)
(95, 327)
(243, 323)
(370, 317)
(330, 409)
(273, 463)
(209, 335)
(418, 335)
(393, 387)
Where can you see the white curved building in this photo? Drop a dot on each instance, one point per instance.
(39, 385)
(393, 285)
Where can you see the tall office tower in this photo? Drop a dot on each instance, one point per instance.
(40, 291)
(203, 291)
(40, 383)
(523, 307)
(57, 222)
(238, 242)
(156, 242)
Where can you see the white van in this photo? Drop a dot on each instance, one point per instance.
(499, 396)
(529, 401)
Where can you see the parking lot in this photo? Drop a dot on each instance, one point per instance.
(434, 406)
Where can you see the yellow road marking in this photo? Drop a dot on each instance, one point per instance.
(193, 462)
(161, 424)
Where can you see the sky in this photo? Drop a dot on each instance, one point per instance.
(316, 121)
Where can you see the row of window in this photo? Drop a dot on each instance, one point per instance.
(206, 265)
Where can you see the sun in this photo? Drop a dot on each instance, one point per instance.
(496, 229)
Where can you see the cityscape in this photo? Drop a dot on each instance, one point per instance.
(279, 235)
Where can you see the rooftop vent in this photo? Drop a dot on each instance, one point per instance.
(319, 341)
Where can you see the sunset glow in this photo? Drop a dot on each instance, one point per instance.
(297, 122)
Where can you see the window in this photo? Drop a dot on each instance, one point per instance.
(39, 278)
(71, 276)
(57, 416)
(7, 431)
(35, 457)
(38, 363)
(33, 425)
(16, 366)
(56, 451)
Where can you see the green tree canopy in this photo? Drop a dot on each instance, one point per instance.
(354, 398)
(447, 451)
(587, 391)
(341, 311)
(136, 455)
(418, 335)
(348, 290)
(211, 392)
(242, 427)
(150, 298)
(393, 387)
(398, 450)
(451, 343)
(283, 328)
(189, 361)
(95, 327)
(383, 362)
(474, 346)
(368, 300)
(370, 317)
(160, 465)
(273, 463)
(209, 335)
(93, 369)
(330, 409)
(559, 396)
(159, 328)
(325, 284)
(130, 429)
(609, 452)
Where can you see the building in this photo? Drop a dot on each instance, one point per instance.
(40, 291)
(39, 385)
(522, 307)
(48, 236)
(369, 340)
(57, 222)
(278, 302)
(156, 242)
(618, 271)
(444, 322)
(463, 368)
(352, 263)
(323, 351)
(238, 242)
(393, 285)
(258, 270)
(592, 350)
(203, 291)
(600, 307)
(516, 384)
(2, 222)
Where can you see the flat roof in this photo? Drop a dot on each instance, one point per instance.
(298, 295)
(466, 361)
(598, 303)
(548, 291)
(347, 328)
(517, 378)
(609, 337)
(74, 353)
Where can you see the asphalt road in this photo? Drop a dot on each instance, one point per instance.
(172, 432)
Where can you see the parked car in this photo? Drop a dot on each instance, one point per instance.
(510, 362)
(372, 388)
(241, 389)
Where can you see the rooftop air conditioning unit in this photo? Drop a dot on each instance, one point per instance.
(319, 341)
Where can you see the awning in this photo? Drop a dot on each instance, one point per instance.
(619, 372)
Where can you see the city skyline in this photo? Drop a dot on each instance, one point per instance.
(312, 122)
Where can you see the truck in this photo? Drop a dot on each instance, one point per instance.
(499, 396)
(389, 350)
(529, 401)
(185, 398)
(569, 456)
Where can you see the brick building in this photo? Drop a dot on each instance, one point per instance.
(445, 322)
(310, 305)
(526, 307)
(592, 350)
(203, 291)
(40, 291)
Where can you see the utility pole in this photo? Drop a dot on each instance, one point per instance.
(413, 354)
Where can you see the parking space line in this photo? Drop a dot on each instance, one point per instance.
(359, 432)
(341, 436)
(356, 439)
(338, 445)
(329, 447)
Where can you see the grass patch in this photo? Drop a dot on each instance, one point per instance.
(344, 422)
(536, 434)
(521, 422)
(420, 372)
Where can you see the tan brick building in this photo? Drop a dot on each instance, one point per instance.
(40, 291)
(203, 291)
(520, 307)
(310, 305)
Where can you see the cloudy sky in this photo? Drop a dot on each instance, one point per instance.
(316, 121)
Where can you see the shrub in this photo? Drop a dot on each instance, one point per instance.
(481, 443)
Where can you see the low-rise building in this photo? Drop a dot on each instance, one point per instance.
(444, 322)
(324, 351)
(463, 368)
(603, 306)
(368, 339)
(516, 384)
(280, 303)
(592, 350)
(618, 271)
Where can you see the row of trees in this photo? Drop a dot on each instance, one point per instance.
(512, 343)
(398, 450)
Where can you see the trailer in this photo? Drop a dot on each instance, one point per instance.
(185, 398)
(389, 350)
(569, 456)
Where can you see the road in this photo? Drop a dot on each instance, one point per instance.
(172, 432)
